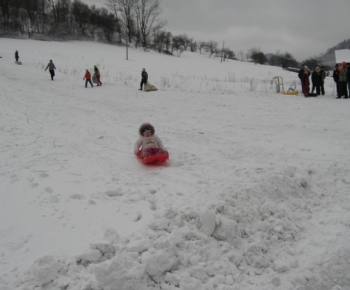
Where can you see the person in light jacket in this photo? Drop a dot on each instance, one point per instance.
(149, 143)
(51, 67)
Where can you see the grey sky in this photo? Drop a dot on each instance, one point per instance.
(302, 27)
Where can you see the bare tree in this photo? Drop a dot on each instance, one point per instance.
(147, 13)
(123, 10)
(211, 47)
(193, 46)
(227, 53)
(186, 41)
(241, 55)
(201, 45)
(82, 14)
(177, 45)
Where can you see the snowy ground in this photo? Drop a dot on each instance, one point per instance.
(255, 194)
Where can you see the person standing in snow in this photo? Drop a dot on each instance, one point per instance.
(87, 78)
(51, 67)
(16, 56)
(343, 80)
(316, 79)
(336, 79)
(144, 78)
(149, 143)
(300, 75)
(98, 75)
(323, 76)
(348, 77)
(306, 82)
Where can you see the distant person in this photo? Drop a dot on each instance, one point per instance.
(51, 67)
(306, 84)
(323, 76)
(348, 77)
(316, 79)
(144, 78)
(343, 80)
(98, 75)
(305, 81)
(87, 78)
(300, 75)
(336, 79)
(16, 56)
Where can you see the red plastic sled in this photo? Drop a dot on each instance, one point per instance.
(153, 158)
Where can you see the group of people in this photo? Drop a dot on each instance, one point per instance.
(317, 80)
(341, 77)
(97, 75)
(51, 67)
(87, 77)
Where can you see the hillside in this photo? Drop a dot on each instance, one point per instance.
(254, 196)
(329, 56)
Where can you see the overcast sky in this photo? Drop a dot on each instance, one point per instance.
(302, 27)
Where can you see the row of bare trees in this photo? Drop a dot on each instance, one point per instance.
(129, 21)
(120, 21)
(132, 19)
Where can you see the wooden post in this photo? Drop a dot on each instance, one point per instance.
(223, 43)
(126, 42)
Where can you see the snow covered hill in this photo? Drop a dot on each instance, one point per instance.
(255, 194)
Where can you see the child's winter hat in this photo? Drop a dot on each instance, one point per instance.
(146, 127)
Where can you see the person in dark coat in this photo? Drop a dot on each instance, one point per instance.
(336, 80)
(16, 56)
(98, 76)
(323, 76)
(348, 77)
(301, 75)
(305, 82)
(144, 78)
(316, 79)
(51, 67)
(343, 71)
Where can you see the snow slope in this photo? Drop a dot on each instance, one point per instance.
(255, 194)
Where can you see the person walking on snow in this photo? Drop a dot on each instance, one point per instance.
(87, 78)
(144, 78)
(51, 67)
(149, 143)
(16, 56)
(98, 75)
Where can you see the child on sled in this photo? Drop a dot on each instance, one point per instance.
(149, 143)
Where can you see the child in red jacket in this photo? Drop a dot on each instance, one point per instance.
(87, 78)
